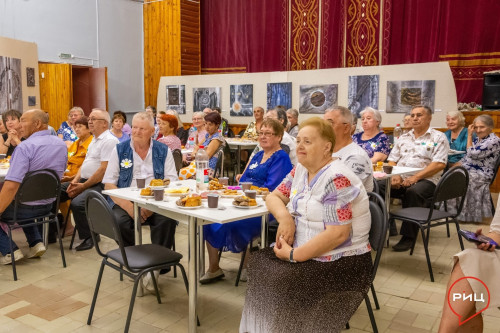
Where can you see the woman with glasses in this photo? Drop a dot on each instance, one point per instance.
(67, 129)
(266, 169)
(197, 132)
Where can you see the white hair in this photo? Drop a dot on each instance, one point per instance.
(376, 114)
(144, 116)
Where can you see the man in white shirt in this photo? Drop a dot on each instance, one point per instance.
(90, 175)
(133, 159)
(345, 149)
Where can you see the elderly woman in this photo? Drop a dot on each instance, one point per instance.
(197, 132)
(266, 169)
(182, 134)
(252, 129)
(67, 129)
(456, 134)
(372, 139)
(117, 126)
(482, 154)
(315, 277)
(78, 150)
(213, 143)
(168, 126)
(482, 263)
(10, 140)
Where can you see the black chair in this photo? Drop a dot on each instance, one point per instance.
(37, 185)
(376, 187)
(285, 148)
(177, 154)
(452, 185)
(495, 172)
(378, 231)
(218, 166)
(133, 261)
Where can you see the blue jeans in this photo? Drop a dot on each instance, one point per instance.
(24, 212)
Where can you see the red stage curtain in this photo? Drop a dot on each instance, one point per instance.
(244, 36)
(465, 33)
(332, 33)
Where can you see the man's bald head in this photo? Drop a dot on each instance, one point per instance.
(32, 121)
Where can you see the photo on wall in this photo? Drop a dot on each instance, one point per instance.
(176, 98)
(279, 94)
(241, 100)
(30, 76)
(206, 98)
(363, 92)
(403, 95)
(317, 98)
(11, 92)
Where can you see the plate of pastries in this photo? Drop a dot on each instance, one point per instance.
(261, 191)
(177, 192)
(244, 202)
(230, 193)
(190, 201)
(147, 192)
(214, 185)
(159, 183)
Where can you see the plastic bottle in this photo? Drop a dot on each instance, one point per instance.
(191, 138)
(201, 169)
(398, 131)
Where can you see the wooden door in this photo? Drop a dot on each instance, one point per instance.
(98, 88)
(56, 91)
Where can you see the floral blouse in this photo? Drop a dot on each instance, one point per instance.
(335, 196)
(172, 141)
(482, 156)
(67, 132)
(378, 144)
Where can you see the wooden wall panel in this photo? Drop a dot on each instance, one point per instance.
(56, 92)
(171, 42)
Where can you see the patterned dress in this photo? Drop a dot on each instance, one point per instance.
(318, 295)
(172, 141)
(480, 162)
(67, 132)
(378, 144)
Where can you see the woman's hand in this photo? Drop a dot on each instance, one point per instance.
(484, 246)
(282, 249)
(13, 137)
(470, 129)
(286, 230)
(238, 176)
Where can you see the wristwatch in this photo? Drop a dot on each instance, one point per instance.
(291, 257)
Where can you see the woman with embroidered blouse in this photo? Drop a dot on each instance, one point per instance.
(319, 270)
(67, 129)
(482, 154)
(266, 169)
(372, 139)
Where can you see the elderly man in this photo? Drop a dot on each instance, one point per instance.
(207, 110)
(90, 175)
(293, 122)
(422, 147)
(345, 149)
(40, 150)
(139, 152)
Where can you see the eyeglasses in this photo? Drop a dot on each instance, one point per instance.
(95, 119)
(266, 134)
(333, 123)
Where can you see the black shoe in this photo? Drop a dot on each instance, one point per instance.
(87, 244)
(404, 244)
(393, 229)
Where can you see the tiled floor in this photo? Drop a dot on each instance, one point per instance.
(49, 298)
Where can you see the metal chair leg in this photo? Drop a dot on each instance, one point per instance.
(242, 262)
(156, 287)
(447, 228)
(60, 242)
(173, 248)
(374, 294)
(370, 313)
(72, 239)
(132, 302)
(66, 220)
(12, 254)
(96, 291)
(426, 241)
(347, 326)
(459, 236)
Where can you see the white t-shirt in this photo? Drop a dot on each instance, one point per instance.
(142, 168)
(99, 150)
(359, 162)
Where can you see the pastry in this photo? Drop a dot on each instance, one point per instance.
(193, 200)
(156, 182)
(214, 185)
(146, 192)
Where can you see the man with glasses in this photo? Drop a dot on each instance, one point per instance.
(90, 175)
(345, 149)
(422, 147)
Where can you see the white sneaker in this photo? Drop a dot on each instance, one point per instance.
(36, 251)
(7, 259)
(147, 282)
(243, 275)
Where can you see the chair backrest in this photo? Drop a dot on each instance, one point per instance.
(230, 133)
(453, 184)
(38, 185)
(177, 154)
(285, 148)
(218, 166)
(102, 221)
(242, 132)
(376, 188)
(379, 226)
(495, 169)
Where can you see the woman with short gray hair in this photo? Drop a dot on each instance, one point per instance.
(372, 139)
(456, 135)
(67, 129)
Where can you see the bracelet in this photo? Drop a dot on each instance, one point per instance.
(291, 257)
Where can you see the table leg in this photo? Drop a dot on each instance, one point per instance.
(263, 231)
(387, 195)
(238, 159)
(201, 251)
(192, 276)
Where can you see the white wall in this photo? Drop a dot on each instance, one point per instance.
(445, 98)
(99, 33)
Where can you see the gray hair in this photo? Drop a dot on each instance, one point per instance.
(199, 113)
(485, 119)
(344, 112)
(458, 115)
(76, 109)
(176, 114)
(425, 107)
(376, 114)
(105, 114)
(144, 116)
(293, 112)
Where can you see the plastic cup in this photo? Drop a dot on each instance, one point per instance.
(252, 194)
(141, 182)
(224, 181)
(213, 200)
(245, 185)
(387, 169)
(159, 193)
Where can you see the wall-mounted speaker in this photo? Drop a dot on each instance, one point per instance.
(491, 91)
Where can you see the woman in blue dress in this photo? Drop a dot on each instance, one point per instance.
(456, 135)
(266, 169)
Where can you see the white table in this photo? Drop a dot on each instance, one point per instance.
(195, 219)
(3, 173)
(238, 144)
